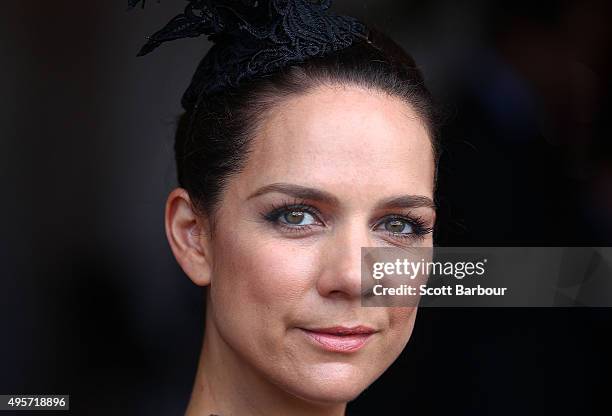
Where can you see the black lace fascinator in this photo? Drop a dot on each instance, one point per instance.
(253, 38)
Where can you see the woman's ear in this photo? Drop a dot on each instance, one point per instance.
(189, 237)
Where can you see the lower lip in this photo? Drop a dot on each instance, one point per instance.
(338, 343)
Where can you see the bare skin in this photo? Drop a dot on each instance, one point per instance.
(285, 254)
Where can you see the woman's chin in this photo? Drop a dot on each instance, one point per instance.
(331, 383)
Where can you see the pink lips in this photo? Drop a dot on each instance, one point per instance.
(340, 338)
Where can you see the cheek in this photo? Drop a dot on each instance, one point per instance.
(258, 283)
(264, 272)
(401, 324)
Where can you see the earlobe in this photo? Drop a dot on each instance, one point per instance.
(189, 237)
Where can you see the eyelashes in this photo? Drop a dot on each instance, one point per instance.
(417, 225)
(297, 217)
(294, 217)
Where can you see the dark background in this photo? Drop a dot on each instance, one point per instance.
(93, 304)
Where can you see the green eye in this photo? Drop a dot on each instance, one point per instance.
(398, 226)
(297, 218)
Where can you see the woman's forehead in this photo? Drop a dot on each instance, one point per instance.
(346, 133)
(328, 110)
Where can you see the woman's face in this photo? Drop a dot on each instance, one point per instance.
(330, 172)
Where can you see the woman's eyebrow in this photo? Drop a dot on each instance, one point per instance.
(297, 191)
(303, 192)
(407, 201)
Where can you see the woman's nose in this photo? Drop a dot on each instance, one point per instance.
(340, 266)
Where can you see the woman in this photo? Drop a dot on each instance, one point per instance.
(305, 137)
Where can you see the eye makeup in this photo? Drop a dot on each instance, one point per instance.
(276, 216)
(288, 216)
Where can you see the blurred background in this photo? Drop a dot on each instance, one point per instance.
(93, 304)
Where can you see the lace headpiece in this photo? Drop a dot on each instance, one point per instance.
(253, 38)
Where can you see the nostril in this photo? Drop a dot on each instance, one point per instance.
(337, 294)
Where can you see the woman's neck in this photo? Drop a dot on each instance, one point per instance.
(225, 385)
